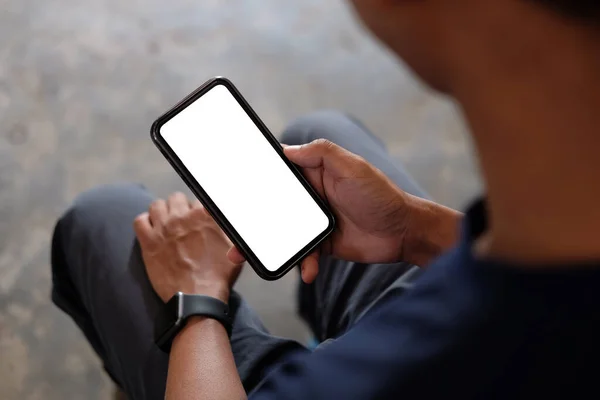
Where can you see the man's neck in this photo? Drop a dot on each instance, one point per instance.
(536, 124)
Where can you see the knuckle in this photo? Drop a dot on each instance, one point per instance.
(361, 167)
(177, 196)
(156, 204)
(138, 221)
(198, 213)
(360, 161)
(174, 224)
(324, 144)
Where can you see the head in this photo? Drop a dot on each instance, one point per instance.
(439, 38)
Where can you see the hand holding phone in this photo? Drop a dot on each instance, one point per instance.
(237, 169)
(372, 213)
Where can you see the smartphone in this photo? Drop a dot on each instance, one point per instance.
(237, 169)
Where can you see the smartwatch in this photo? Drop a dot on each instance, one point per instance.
(173, 316)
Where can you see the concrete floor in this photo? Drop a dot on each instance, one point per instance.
(80, 84)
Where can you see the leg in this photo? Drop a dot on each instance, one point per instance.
(352, 135)
(345, 290)
(99, 279)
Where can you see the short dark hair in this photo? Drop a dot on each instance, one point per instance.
(583, 9)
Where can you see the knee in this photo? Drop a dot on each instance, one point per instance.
(95, 207)
(326, 124)
(107, 196)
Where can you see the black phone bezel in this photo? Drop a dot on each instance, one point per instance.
(210, 206)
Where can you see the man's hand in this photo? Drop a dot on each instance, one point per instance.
(377, 222)
(372, 212)
(185, 250)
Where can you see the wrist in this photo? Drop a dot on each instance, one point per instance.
(218, 290)
(431, 230)
(196, 325)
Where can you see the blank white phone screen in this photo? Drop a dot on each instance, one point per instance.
(245, 177)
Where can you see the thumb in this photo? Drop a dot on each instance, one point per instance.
(319, 153)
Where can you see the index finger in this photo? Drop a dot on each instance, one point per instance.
(310, 267)
(143, 228)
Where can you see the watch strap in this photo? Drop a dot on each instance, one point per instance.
(183, 306)
(205, 306)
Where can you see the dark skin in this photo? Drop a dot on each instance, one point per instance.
(527, 81)
(528, 84)
(185, 250)
(377, 222)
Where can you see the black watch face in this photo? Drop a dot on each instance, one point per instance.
(167, 317)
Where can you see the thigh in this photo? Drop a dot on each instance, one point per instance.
(99, 279)
(344, 290)
(351, 134)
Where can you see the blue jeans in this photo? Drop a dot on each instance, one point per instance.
(99, 277)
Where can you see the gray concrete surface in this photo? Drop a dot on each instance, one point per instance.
(80, 84)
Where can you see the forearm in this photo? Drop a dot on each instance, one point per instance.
(432, 229)
(201, 364)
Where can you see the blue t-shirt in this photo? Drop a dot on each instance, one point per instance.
(468, 329)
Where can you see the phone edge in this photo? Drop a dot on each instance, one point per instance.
(212, 208)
